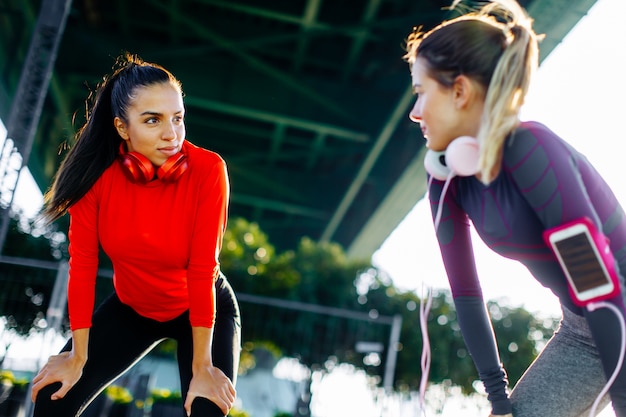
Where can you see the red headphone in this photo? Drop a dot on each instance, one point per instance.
(139, 169)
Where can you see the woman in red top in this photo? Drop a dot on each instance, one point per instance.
(157, 205)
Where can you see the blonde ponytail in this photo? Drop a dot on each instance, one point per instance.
(508, 86)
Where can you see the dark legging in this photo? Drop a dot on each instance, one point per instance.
(119, 337)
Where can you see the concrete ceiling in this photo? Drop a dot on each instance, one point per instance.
(306, 100)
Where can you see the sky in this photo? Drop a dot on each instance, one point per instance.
(28, 197)
(579, 92)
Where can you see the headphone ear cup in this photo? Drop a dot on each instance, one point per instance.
(139, 169)
(462, 156)
(173, 168)
(435, 164)
(136, 167)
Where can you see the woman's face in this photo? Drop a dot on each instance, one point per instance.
(436, 108)
(155, 125)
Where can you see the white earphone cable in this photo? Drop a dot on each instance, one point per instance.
(620, 360)
(426, 354)
(441, 197)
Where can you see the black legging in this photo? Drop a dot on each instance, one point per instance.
(119, 337)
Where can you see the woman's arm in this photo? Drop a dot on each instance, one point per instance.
(211, 214)
(207, 380)
(66, 367)
(457, 254)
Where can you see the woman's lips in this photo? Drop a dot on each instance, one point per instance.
(170, 150)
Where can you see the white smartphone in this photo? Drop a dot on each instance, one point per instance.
(586, 260)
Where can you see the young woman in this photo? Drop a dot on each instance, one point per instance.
(514, 181)
(157, 205)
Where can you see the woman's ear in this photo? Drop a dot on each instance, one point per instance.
(464, 90)
(120, 126)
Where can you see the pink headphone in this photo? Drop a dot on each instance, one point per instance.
(139, 169)
(460, 158)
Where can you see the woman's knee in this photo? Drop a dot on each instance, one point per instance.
(205, 408)
(45, 406)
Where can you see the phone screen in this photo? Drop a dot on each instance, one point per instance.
(582, 263)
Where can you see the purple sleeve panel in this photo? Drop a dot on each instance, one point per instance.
(455, 243)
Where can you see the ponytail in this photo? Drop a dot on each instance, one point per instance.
(508, 87)
(95, 149)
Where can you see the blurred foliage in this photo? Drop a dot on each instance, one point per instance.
(234, 412)
(253, 352)
(118, 394)
(9, 378)
(29, 237)
(316, 274)
(24, 298)
(166, 396)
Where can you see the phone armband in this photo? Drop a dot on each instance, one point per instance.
(586, 260)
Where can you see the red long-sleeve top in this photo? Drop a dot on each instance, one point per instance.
(163, 239)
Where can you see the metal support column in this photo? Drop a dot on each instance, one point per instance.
(392, 353)
(28, 102)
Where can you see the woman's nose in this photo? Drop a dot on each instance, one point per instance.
(414, 114)
(169, 132)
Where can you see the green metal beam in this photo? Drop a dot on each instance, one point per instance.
(308, 20)
(279, 206)
(286, 79)
(253, 114)
(361, 39)
(283, 17)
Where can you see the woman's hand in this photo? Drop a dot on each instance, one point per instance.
(65, 368)
(210, 382)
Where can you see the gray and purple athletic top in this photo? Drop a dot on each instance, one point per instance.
(544, 182)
